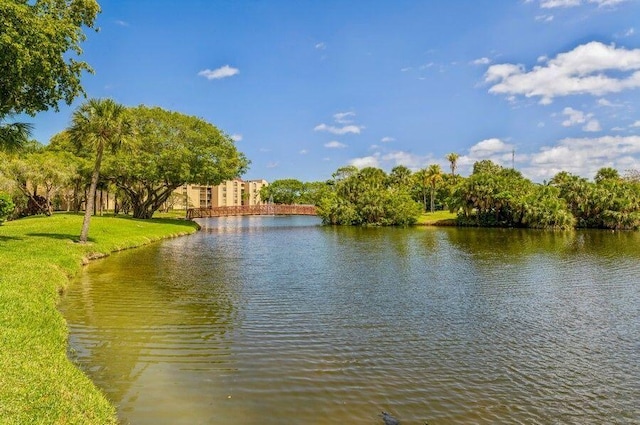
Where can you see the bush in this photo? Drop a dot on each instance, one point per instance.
(6, 207)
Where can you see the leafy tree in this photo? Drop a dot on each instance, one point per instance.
(169, 150)
(433, 176)
(103, 125)
(400, 176)
(36, 67)
(367, 197)
(284, 191)
(6, 207)
(37, 177)
(453, 162)
(606, 173)
(486, 166)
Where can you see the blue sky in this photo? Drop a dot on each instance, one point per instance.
(306, 87)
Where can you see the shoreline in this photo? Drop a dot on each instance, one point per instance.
(40, 383)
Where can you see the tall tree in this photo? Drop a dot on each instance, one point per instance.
(169, 150)
(37, 68)
(103, 125)
(453, 162)
(433, 175)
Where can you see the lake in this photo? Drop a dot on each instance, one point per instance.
(279, 320)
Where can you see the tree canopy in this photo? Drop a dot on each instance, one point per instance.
(169, 150)
(36, 37)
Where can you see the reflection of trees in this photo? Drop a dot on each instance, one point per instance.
(513, 245)
(145, 307)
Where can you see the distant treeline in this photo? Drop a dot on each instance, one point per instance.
(492, 196)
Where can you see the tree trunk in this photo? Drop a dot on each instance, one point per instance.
(432, 200)
(91, 196)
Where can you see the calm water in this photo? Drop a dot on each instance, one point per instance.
(278, 320)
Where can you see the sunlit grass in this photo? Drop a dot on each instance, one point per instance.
(437, 218)
(38, 384)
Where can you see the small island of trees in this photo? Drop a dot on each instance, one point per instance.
(492, 196)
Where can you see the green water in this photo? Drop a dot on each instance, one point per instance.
(277, 320)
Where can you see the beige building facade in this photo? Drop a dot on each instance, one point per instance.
(229, 193)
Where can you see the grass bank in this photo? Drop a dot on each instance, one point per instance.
(38, 383)
(437, 218)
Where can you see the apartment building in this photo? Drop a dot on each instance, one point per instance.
(229, 193)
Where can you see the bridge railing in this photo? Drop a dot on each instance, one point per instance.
(264, 209)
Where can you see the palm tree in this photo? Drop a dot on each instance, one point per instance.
(13, 136)
(453, 160)
(433, 176)
(99, 124)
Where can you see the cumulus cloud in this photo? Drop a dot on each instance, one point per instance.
(216, 74)
(592, 125)
(585, 156)
(387, 139)
(354, 129)
(579, 71)
(345, 119)
(334, 144)
(575, 117)
(366, 161)
(636, 124)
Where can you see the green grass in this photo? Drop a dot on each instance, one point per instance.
(38, 383)
(437, 218)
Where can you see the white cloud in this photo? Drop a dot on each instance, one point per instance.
(387, 139)
(573, 117)
(344, 117)
(334, 144)
(481, 61)
(636, 124)
(493, 149)
(367, 161)
(544, 18)
(303, 152)
(408, 159)
(592, 125)
(584, 156)
(321, 46)
(552, 4)
(354, 129)
(579, 71)
(236, 137)
(216, 74)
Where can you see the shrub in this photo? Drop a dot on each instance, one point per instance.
(6, 207)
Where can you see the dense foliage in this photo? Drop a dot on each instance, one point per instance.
(6, 206)
(367, 197)
(36, 39)
(169, 150)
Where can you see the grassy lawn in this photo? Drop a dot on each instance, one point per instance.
(437, 218)
(38, 384)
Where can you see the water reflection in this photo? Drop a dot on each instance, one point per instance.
(282, 321)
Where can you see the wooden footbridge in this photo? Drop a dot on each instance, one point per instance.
(267, 209)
